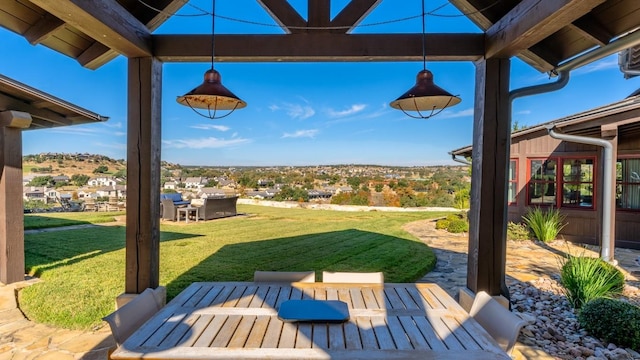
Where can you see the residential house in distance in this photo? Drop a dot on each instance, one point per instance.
(34, 193)
(118, 191)
(548, 171)
(209, 192)
(60, 179)
(195, 182)
(103, 181)
(170, 185)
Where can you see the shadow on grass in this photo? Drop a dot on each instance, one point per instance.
(48, 250)
(401, 260)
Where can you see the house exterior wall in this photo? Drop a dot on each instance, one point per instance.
(583, 224)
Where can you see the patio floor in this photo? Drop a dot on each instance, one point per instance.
(526, 261)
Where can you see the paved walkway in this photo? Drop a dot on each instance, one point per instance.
(21, 339)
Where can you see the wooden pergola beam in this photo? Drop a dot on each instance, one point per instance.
(105, 21)
(530, 22)
(353, 14)
(98, 54)
(318, 47)
(318, 13)
(284, 14)
(534, 59)
(590, 28)
(41, 30)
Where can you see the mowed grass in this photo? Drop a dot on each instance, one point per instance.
(83, 270)
(53, 219)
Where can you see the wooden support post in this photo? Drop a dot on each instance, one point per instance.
(143, 174)
(11, 209)
(490, 162)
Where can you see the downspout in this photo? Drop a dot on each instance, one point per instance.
(606, 252)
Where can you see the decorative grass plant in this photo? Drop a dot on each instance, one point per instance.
(586, 278)
(545, 225)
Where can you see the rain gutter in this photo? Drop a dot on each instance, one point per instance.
(455, 158)
(606, 252)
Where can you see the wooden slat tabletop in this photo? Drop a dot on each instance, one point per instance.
(238, 320)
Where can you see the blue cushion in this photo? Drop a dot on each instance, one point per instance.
(176, 198)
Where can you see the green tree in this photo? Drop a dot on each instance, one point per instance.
(379, 187)
(101, 169)
(80, 179)
(41, 181)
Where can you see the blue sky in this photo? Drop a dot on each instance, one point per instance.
(297, 113)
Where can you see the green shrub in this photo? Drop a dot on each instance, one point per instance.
(518, 231)
(454, 217)
(586, 278)
(458, 226)
(613, 321)
(545, 225)
(442, 224)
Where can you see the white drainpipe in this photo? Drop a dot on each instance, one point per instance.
(606, 252)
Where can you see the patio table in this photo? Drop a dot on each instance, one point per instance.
(238, 320)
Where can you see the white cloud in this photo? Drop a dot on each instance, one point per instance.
(456, 114)
(112, 146)
(599, 65)
(354, 109)
(301, 133)
(523, 112)
(204, 143)
(211, 127)
(116, 125)
(295, 111)
(77, 130)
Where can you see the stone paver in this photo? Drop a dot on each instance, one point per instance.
(21, 339)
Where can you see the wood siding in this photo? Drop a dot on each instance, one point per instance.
(583, 225)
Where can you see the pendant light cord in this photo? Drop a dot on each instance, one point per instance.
(424, 53)
(213, 29)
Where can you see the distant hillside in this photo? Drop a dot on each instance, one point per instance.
(69, 164)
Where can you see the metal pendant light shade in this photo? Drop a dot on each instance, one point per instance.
(211, 95)
(424, 96)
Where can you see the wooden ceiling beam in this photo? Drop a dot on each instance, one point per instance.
(105, 21)
(284, 14)
(309, 47)
(592, 29)
(530, 22)
(353, 14)
(477, 17)
(44, 28)
(98, 54)
(319, 13)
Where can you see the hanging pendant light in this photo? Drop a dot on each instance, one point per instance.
(211, 95)
(425, 98)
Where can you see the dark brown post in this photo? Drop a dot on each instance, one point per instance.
(11, 210)
(143, 174)
(490, 162)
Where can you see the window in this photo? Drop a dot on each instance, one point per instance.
(561, 182)
(512, 191)
(542, 183)
(577, 183)
(628, 184)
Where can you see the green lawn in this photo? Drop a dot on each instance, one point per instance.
(83, 269)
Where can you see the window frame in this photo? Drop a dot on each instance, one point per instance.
(514, 181)
(625, 157)
(593, 182)
(559, 181)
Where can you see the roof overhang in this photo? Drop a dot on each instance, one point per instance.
(624, 114)
(47, 111)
